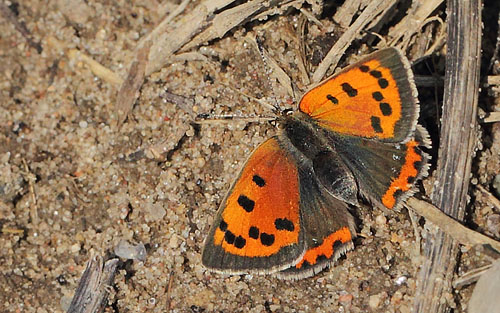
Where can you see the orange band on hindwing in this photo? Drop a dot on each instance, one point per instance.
(327, 247)
(407, 175)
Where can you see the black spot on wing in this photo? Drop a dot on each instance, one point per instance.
(383, 83)
(284, 224)
(332, 99)
(267, 239)
(377, 96)
(376, 124)
(376, 74)
(229, 237)
(385, 108)
(349, 90)
(364, 68)
(246, 203)
(411, 179)
(398, 193)
(259, 181)
(253, 232)
(223, 225)
(240, 242)
(336, 245)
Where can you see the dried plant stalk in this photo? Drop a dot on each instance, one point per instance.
(458, 140)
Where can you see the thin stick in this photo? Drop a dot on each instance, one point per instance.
(451, 226)
(491, 198)
(414, 223)
(33, 207)
(470, 277)
(207, 119)
(332, 58)
(97, 69)
(168, 291)
(491, 117)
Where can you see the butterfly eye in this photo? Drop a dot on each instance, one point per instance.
(287, 112)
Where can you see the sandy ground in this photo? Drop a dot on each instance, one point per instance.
(71, 185)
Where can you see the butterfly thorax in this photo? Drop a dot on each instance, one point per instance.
(305, 135)
(315, 148)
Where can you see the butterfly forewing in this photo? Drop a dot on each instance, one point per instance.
(374, 98)
(258, 226)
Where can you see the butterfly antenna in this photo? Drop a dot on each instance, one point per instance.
(207, 118)
(274, 70)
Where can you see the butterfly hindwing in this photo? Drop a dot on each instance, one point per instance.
(403, 165)
(374, 98)
(326, 224)
(257, 226)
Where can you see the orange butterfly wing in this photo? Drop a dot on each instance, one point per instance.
(375, 98)
(258, 224)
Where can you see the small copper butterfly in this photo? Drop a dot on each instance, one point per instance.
(355, 134)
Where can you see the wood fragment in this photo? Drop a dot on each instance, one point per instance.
(490, 198)
(91, 295)
(412, 23)
(456, 150)
(12, 230)
(346, 12)
(374, 9)
(163, 26)
(168, 291)
(470, 277)
(166, 43)
(485, 298)
(97, 69)
(428, 81)
(129, 90)
(450, 226)
(311, 17)
(278, 7)
(227, 20)
(301, 53)
(493, 80)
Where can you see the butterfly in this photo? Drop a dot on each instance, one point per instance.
(354, 135)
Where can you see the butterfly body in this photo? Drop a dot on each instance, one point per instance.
(354, 135)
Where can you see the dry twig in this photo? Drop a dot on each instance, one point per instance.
(31, 183)
(458, 140)
(92, 292)
(374, 9)
(450, 226)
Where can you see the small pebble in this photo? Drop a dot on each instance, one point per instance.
(375, 300)
(381, 220)
(83, 124)
(125, 250)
